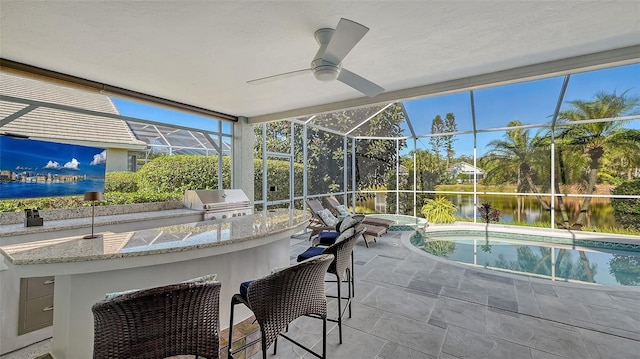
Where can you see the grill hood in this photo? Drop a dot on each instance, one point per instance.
(222, 203)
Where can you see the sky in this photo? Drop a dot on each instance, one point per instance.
(163, 115)
(41, 157)
(531, 102)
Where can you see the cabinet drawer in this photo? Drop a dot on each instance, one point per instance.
(39, 287)
(36, 304)
(38, 313)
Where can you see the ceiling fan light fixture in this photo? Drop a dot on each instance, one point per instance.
(326, 72)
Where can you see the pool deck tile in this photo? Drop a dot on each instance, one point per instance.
(421, 306)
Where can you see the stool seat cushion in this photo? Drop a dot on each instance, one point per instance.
(327, 238)
(244, 288)
(310, 253)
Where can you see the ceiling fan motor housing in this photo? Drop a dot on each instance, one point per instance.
(324, 70)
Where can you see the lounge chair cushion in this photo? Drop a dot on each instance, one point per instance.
(342, 209)
(310, 253)
(347, 223)
(327, 217)
(380, 222)
(244, 288)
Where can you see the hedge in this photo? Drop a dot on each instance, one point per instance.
(278, 175)
(182, 172)
(627, 210)
(121, 182)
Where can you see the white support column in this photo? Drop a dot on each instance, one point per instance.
(415, 178)
(242, 167)
(397, 177)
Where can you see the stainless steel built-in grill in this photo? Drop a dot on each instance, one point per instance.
(216, 204)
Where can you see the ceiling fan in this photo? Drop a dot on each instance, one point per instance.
(335, 44)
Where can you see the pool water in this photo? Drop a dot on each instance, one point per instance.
(554, 261)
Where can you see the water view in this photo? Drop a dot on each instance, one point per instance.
(530, 210)
(49, 189)
(514, 208)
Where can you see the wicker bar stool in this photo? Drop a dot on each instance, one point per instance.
(281, 297)
(177, 319)
(328, 238)
(341, 267)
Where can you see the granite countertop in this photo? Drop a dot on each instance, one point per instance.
(176, 238)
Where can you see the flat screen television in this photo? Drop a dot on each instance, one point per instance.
(31, 168)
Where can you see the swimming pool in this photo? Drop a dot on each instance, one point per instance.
(548, 257)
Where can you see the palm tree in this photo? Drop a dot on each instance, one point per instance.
(519, 153)
(595, 138)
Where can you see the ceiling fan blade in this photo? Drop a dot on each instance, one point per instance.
(359, 83)
(278, 77)
(347, 34)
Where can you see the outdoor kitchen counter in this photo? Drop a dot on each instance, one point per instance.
(236, 249)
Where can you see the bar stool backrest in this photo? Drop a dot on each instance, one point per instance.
(279, 298)
(177, 319)
(342, 249)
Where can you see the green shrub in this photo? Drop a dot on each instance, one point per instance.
(182, 172)
(139, 197)
(439, 210)
(120, 182)
(18, 205)
(627, 210)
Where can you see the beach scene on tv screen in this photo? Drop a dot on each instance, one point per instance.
(32, 168)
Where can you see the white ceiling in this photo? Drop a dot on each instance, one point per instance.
(203, 52)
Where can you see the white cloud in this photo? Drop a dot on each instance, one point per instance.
(52, 165)
(72, 165)
(99, 159)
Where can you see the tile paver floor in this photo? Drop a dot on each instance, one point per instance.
(412, 306)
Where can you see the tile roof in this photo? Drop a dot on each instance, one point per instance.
(61, 125)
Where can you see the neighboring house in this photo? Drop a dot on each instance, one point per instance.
(402, 170)
(464, 172)
(25, 111)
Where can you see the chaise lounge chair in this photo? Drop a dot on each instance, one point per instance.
(324, 220)
(341, 210)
